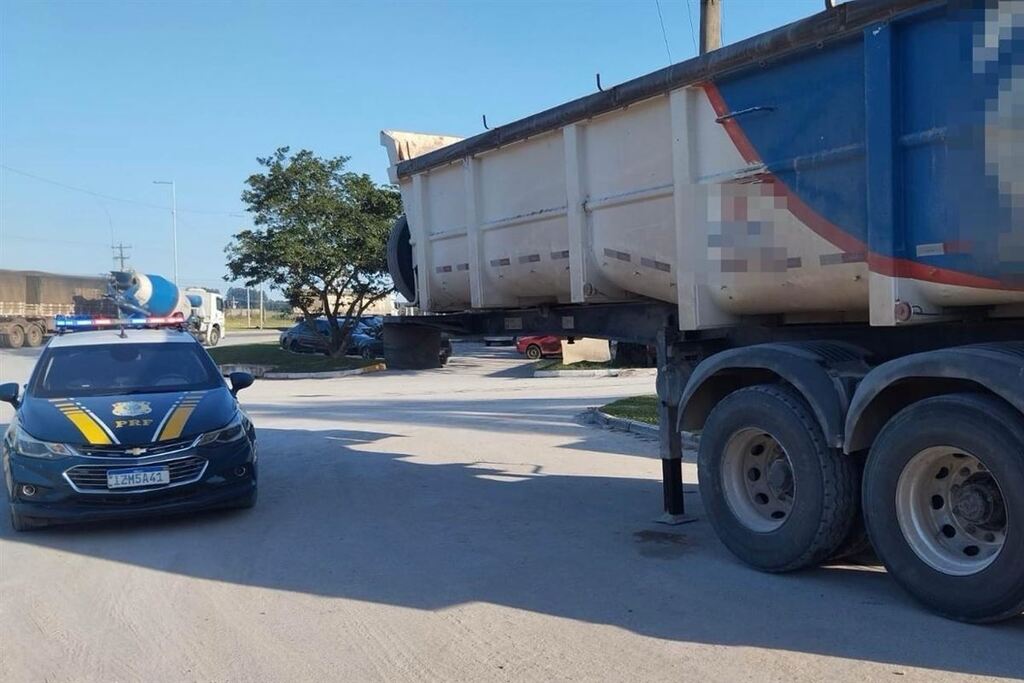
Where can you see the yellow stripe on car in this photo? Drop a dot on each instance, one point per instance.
(176, 423)
(92, 432)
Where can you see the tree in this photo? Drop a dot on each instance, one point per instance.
(321, 237)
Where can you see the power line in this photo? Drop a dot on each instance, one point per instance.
(51, 240)
(664, 33)
(59, 240)
(693, 35)
(112, 198)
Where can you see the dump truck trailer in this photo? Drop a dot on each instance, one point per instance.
(821, 229)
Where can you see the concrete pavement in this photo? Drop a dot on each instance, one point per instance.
(454, 524)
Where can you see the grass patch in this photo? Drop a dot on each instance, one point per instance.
(279, 360)
(578, 365)
(270, 322)
(639, 408)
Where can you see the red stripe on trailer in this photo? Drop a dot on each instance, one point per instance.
(877, 263)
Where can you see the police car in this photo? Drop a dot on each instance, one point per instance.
(125, 419)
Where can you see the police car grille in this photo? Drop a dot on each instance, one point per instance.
(122, 451)
(94, 477)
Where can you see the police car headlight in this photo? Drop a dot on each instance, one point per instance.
(29, 446)
(235, 431)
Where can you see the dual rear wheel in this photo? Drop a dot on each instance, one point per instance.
(776, 494)
(21, 334)
(943, 503)
(941, 488)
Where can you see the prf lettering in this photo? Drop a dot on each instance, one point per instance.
(132, 423)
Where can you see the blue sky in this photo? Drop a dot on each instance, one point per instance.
(109, 96)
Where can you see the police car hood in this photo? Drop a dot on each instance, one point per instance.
(127, 419)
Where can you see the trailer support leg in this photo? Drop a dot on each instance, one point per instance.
(672, 376)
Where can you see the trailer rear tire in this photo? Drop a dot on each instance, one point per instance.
(776, 494)
(15, 337)
(856, 545)
(944, 505)
(33, 335)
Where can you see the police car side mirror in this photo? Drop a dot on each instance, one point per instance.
(239, 381)
(9, 393)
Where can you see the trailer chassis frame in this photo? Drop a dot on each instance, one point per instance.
(679, 352)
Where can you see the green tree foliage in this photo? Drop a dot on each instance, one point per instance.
(321, 237)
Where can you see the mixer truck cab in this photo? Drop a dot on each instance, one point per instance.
(207, 315)
(125, 418)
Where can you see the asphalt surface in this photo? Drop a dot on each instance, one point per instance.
(455, 524)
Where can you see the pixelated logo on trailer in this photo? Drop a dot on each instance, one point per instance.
(997, 49)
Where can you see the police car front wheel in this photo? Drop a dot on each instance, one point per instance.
(247, 501)
(23, 523)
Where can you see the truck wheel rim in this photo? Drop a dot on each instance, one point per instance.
(757, 478)
(951, 511)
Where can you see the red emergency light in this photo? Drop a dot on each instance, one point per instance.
(69, 323)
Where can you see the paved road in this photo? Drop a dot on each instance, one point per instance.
(456, 524)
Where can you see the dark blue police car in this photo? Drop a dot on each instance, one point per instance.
(115, 424)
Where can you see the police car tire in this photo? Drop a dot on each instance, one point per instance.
(247, 501)
(21, 522)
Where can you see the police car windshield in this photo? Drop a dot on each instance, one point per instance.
(112, 369)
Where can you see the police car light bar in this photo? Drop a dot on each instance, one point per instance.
(68, 323)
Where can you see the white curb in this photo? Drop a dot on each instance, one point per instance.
(622, 424)
(262, 372)
(602, 372)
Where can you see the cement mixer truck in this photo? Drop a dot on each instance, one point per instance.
(155, 295)
(821, 230)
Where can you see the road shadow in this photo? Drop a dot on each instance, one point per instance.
(550, 416)
(519, 371)
(347, 514)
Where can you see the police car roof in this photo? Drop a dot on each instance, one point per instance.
(144, 336)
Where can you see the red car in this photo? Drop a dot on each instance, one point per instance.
(538, 347)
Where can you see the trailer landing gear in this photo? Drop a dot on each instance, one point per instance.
(672, 376)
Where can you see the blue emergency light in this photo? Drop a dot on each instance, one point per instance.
(71, 323)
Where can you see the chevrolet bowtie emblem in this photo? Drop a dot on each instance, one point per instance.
(136, 451)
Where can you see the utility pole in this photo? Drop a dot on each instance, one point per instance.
(710, 25)
(261, 307)
(248, 310)
(120, 257)
(174, 221)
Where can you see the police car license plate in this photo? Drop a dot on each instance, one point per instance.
(142, 476)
